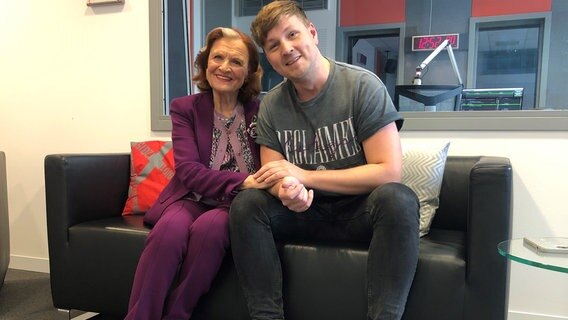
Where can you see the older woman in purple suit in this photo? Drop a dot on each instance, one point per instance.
(215, 157)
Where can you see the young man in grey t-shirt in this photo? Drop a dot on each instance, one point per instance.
(329, 139)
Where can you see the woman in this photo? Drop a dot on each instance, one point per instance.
(215, 157)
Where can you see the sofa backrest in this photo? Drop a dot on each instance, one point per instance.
(454, 195)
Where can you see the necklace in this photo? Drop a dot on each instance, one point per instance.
(227, 120)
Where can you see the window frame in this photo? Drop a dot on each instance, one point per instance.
(523, 120)
(160, 120)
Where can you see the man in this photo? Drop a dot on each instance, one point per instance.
(329, 137)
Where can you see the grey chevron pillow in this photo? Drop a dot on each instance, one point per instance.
(422, 171)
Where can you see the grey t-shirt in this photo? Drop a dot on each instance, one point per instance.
(326, 132)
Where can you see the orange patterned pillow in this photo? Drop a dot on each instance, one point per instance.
(151, 168)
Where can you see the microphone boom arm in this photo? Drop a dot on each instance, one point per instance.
(444, 45)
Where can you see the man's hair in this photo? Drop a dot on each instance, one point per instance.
(251, 86)
(269, 16)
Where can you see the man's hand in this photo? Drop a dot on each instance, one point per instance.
(294, 194)
(275, 170)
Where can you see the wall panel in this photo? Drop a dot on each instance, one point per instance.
(483, 8)
(364, 12)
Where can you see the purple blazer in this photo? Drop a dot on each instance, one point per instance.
(192, 137)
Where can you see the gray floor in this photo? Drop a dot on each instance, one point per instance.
(26, 295)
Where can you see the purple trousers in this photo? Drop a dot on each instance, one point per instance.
(181, 257)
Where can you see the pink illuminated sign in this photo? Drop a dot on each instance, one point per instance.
(431, 42)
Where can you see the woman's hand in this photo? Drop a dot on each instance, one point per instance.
(294, 195)
(252, 183)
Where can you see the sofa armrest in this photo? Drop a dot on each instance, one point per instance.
(489, 222)
(4, 220)
(83, 187)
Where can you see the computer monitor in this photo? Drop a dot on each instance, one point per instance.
(492, 99)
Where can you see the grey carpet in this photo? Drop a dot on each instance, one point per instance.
(26, 295)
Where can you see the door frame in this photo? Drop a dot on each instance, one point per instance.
(344, 33)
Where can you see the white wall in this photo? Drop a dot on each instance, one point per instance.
(74, 79)
(365, 48)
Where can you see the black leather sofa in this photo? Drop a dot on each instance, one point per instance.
(93, 250)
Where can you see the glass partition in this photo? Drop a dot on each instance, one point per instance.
(513, 66)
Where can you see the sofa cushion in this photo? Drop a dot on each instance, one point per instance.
(151, 168)
(311, 278)
(310, 274)
(440, 273)
(314, 272)
(422, 171)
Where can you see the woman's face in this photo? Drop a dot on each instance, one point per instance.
(227, 66)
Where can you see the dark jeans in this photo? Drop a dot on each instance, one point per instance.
(387, 217)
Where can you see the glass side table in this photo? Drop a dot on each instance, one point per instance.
(516, 250)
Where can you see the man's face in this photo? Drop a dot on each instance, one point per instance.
(291, 48)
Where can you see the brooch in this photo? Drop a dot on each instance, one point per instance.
(252, 127)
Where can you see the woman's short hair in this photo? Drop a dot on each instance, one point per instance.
(269, 16)
(252, 84)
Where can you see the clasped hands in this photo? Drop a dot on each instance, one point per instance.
(288, 187)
